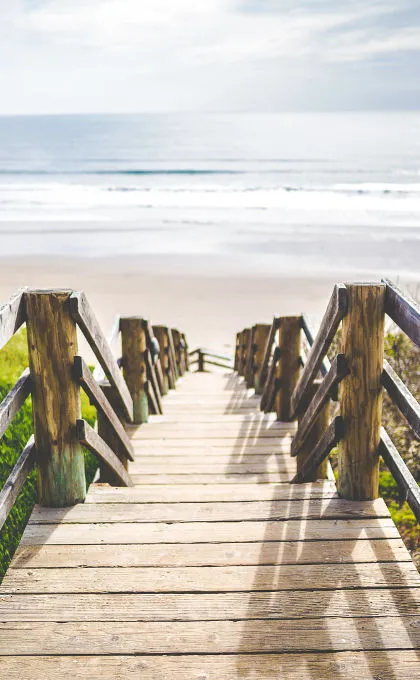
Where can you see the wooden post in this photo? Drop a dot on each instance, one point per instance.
(313, 437)
(249, 367)
(52, 345)
(237, 350)
(185, 350)
(360, 392)
(133, 341)
(106, 431)
(288, 366)
(262, 331)
(200, 361)
(162, 338)
(243, 351)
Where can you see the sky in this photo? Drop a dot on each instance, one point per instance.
(76, 56)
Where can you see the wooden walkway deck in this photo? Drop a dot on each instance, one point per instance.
(213, 567)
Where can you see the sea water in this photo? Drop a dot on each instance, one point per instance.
(300, 192)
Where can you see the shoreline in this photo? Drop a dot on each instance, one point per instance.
(208, 297)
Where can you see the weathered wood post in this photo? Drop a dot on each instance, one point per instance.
(162, 338)
(107, 432)
(134, 346)
(313, 437)
(360, 392)
(237, 350)
(288, 366)
(201, 361)
(185, 351)
(243, 352)
(52, 346)
(262, 331)
(250, 352)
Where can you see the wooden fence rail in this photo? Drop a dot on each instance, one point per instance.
(355, 378)
(54, 378)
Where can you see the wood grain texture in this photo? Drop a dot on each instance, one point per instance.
(408, 486)
(403, 310)
(312, 432)
(83, 315)
(94, 442)
(336, 310)
(12, 316)
(13, 401)
(16, 480)
(360, 393)
(134, 346)
(208, 532)
(52, 345)
(212, 554)
(402, 397)
(303, 604)
(288, 366)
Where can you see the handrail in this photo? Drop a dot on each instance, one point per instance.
(402, 309)
(16, 480)
(400, 472)
(271, 386)
(331, 437)
(207, 357)
(91, 439)
(268, 350)
(99, 400)
(99, 373)
(402, 397)
(336, 310)
(338, 371)
(12, 316)
(83, 315)
(325, 365)
(13, 400)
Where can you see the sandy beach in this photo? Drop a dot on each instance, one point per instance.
(209, 297)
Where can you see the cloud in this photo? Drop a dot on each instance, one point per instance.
(219, 54)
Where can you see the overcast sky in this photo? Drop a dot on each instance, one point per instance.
(208, 55)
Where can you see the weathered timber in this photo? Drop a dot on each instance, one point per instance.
(12, 402)
(315, 432)
(107, 432)
(237, 346)
(16, 480)
(85, 318)
(100, 448)
(113, 335)
(325, 365)
(172, 357)
(270, 385)
(403, 310)
(250, 352)
(98, 399)
(262, 331)
(162, 338)
(12, 316)
(330, 438)
(185, 350)
(133, 341)
(337, 372)
(407, 484)
(52, 345)
(288, 366)
(360, 392)
(402, 397)
(229, 367)
(336, 310)
(268, 352)
(243, 353)
(211, 554)
(153, 390)
(154, 349)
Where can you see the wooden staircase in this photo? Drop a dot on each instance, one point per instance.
(212, 566)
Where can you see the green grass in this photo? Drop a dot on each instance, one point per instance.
(13, 361)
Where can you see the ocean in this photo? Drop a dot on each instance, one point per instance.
(297, 192)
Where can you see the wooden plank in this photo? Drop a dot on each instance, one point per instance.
(89, 438)
(325, 365)
(336, 310)
(375, 602)
(16, 480)
(331, 508)
(402, 397)
(351, 665)
(207, 478)
(85, 318)
(206, 579)
(212, 554)
(269, 385)
(210, 492)
(268, 350)
(403, 310)
(288, 366)
(13, 401)
(282, 465)
(337, 372)
(99, 400)
(153, 385)
(327, 442)
(208, 532)
(12, 316)
(400, 472)
(211, 637)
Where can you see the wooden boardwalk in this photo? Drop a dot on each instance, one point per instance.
(212, 567)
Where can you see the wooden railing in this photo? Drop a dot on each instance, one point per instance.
(122, 390)
(299, 383)
(201, 357)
